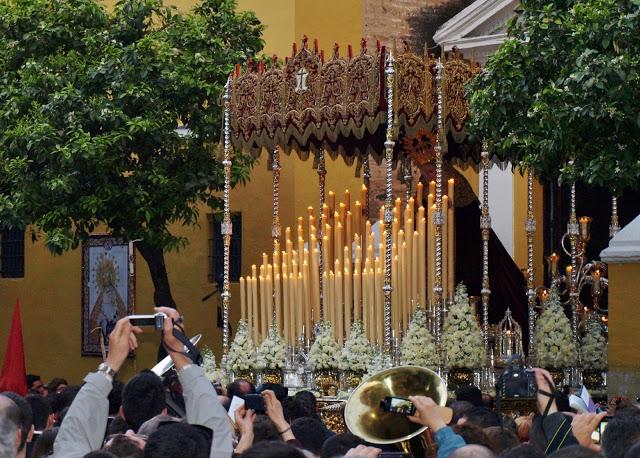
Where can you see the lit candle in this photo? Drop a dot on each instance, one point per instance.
(277, 298)
(569, 274)
(339, 304)
(585, 232)
(255, 305)
(419, 194)
(364, 197)
(300, 306)
(596, 281)
(269, 290)
(263, 308)
(306, 284)
(445, 248)
(451, 247)
(243, 300)
(422, 258)
(292, 307)
(414, 269)
(357, 287)
(357, 218)
(553, 259)
(347, 200)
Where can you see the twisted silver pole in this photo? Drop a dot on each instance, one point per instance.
(408, 179)
(485, 226)
(573, 229)
(389, 144)
(322, 172)
(530, 228)
(614, 227)
(438, 219)
(276, 229)
(226, 226)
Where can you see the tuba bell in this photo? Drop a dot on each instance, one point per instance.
(365, 418)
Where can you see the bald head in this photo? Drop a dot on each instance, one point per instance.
(472, 451)
(9, 427)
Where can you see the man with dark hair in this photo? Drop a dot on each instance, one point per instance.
(42, 412)
(501, 439)
(622, 433)
(36, 385)
(26, 422)
(57, 385)
(470, 393)
(309, 397)
(306, 430)
(472, 434)
(339, 445)
(142, 399)
(240, 388)
(126, 446)
(177, 440)
(294, 408)
(115, 398)
(10, 434)
(273, 450)
(480, 416)
(264, 430)
(84, 425)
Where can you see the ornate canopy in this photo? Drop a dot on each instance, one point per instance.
(340, 104)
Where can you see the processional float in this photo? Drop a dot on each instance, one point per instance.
(365, 107)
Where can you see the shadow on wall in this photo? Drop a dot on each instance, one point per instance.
(424, 24)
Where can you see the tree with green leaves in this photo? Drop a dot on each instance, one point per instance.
(90, 108)
(566, 85)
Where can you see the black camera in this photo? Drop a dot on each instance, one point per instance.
(401, 406)
(516, 381)
(255, 402)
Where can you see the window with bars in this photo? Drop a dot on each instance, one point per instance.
(12, 253)
(216, 248)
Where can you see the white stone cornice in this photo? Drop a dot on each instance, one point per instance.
(624, 248)
(470, 18)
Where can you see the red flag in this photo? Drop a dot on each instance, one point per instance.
(14, 374)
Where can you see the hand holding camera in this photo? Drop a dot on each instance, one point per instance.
(122, 340)
(427, 413)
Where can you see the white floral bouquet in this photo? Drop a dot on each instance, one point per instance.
(325, 351)
(272, 351)
(418, 348)
(356, 351)
(242, 354)
(461, 335)
(594, 347)
(379, 361)
(552, 338)
(211, 371)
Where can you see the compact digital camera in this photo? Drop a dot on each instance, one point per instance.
(156, 320)
(516, 381)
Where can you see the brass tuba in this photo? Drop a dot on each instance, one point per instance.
(365, 418)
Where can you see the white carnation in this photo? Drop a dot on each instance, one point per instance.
(272, 351)
(461, 334)
(242, 354)
(594, 347)
(552, 338)
(418, 348)
(357, 350)
(325, 351)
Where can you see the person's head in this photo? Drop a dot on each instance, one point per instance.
(633, 452)
(264, 430)
(273, 450)
(562, 402)
(240, 388)
(523, 426)
(459, 408)
(622, 433)
(57, 385)
(126, 446)
(522, 451)
(178, 440)
(339, 445)
(480, 416)
(68, 395)
(296, 408)
(56, 402)
(44, 444)
(575, 451)
(36, 385)
(309, 397)
(42, 413)
(308, 431)
(26, 418)
(469, 393)
(501, 439)
(472, 434)
(10, 434)
(115, 397)
(142, 398)
(472, 451)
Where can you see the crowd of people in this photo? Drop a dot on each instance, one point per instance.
(187, 416)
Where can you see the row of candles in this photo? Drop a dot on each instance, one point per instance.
(286, 286)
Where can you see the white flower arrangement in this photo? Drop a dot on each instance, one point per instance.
(211, 371)
(356, 351)
(594, 347)
(379, 361)
(325, 351)
(552, 338)
(272, 351)
(418, 348)
(242, 354)
(461, 335)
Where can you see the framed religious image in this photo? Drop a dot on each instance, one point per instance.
(107, 289)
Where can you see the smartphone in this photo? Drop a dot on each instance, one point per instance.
(156, 320)
(401, 406)
(255, 402)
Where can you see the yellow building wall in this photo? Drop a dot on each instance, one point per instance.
(624, 303)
